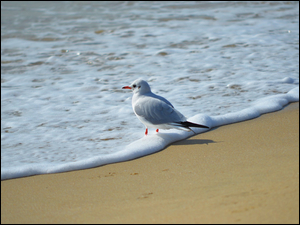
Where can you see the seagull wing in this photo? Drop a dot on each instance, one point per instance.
(157, 111)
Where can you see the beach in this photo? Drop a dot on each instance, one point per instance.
(245, 172)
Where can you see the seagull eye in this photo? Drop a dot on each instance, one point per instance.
(134, 86)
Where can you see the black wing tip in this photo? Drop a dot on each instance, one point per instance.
(188, 124)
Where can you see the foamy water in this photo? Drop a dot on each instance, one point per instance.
(63, 65)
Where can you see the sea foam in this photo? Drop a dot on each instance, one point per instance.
(62, 106)
(156, 142)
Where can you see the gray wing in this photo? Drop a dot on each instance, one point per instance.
(160, 98)
(157, 111)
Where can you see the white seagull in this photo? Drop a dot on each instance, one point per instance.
(155, 111)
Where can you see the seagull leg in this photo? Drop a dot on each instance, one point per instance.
(146, 132)
(156, 130)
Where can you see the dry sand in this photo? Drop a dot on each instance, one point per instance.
(246, 172)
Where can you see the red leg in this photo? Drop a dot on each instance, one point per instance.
(146, 132)
(157, 130)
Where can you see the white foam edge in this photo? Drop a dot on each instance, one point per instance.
(158, 141)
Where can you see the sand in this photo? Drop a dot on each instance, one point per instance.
(246, 172)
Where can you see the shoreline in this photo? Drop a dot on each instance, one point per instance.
(246, 172)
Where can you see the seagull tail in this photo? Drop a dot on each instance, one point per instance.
(188, 124)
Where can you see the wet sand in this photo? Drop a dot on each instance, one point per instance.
(246, 172)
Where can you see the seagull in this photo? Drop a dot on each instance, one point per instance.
(155, 111)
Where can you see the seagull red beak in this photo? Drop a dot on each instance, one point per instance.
(126, 87)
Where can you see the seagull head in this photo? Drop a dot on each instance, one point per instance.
(139, 86)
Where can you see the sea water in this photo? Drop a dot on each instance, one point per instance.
(63, 65)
